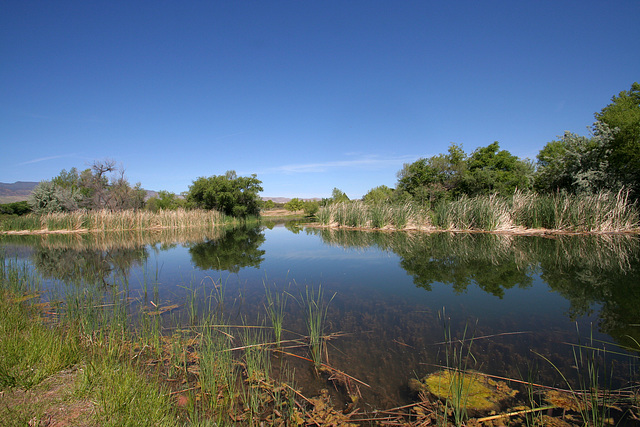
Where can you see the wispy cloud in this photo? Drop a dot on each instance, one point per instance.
(369, 161)
(44, 159)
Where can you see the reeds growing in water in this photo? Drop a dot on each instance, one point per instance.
(104, 220)
(588, 213)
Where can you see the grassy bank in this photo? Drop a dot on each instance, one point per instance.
(179, 219)
(604, 212)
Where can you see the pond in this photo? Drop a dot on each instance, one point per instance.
(519, 302)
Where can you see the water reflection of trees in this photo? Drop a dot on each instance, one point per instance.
(86, 265)
(235, 249)
(589, 271)
(94, 257)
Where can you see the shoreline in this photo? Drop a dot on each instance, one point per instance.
(512, 232)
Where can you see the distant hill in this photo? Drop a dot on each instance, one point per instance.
(16, 192)
(286, 199)
(19, 191)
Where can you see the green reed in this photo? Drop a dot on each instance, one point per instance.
(257, 371)
(18, 223)
(276, 309)
(316, 314)
(340, 213)
(400, 216)
(457, 358)
(379, 215)
(324, 215)
(104, 220)
(585, 213)
(218, 369)
(593, 396)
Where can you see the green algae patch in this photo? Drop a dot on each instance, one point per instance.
(470, 390)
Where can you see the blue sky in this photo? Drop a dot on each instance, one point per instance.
(309, 95)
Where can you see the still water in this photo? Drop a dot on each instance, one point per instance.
(394, 294)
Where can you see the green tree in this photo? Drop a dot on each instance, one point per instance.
(578, 164)
(491, 170)
(165, 200)
(268, 204)
(103, 186)
(311, 207)
(623, 113)
(229, 193)
(338, 196)
(15, 208)
(294, 204)
(46, 197)
(379, 194)
(433, 179)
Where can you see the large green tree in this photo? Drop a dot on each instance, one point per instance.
(229, 193)
(165, 200)
(487, 170)
(578, 164)
(491, 170)
(429, 180)
(379, 194)
(623, 113)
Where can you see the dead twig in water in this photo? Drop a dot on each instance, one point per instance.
(326, 366)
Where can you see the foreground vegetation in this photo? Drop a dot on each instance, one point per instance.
(602, 212)
(211, 373)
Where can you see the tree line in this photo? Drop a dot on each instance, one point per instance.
(103, 186)
(606, 160)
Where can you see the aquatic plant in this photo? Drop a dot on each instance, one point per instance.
(585, 213)
(316, 313)
(592, 398)
(379, 214)
(104, 220)
(324, 215)
(400, 216)
(458, 355)
(275, 307)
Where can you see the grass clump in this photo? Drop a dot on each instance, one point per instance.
(275, 306)
(124, 395)
(31, 350)
(315, 314)
(37, 344)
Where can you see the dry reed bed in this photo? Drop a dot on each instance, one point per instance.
(521, 213)
(103, 221)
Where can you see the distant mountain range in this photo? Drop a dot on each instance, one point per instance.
(286, 199)
(19, 191)
(16, 192)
